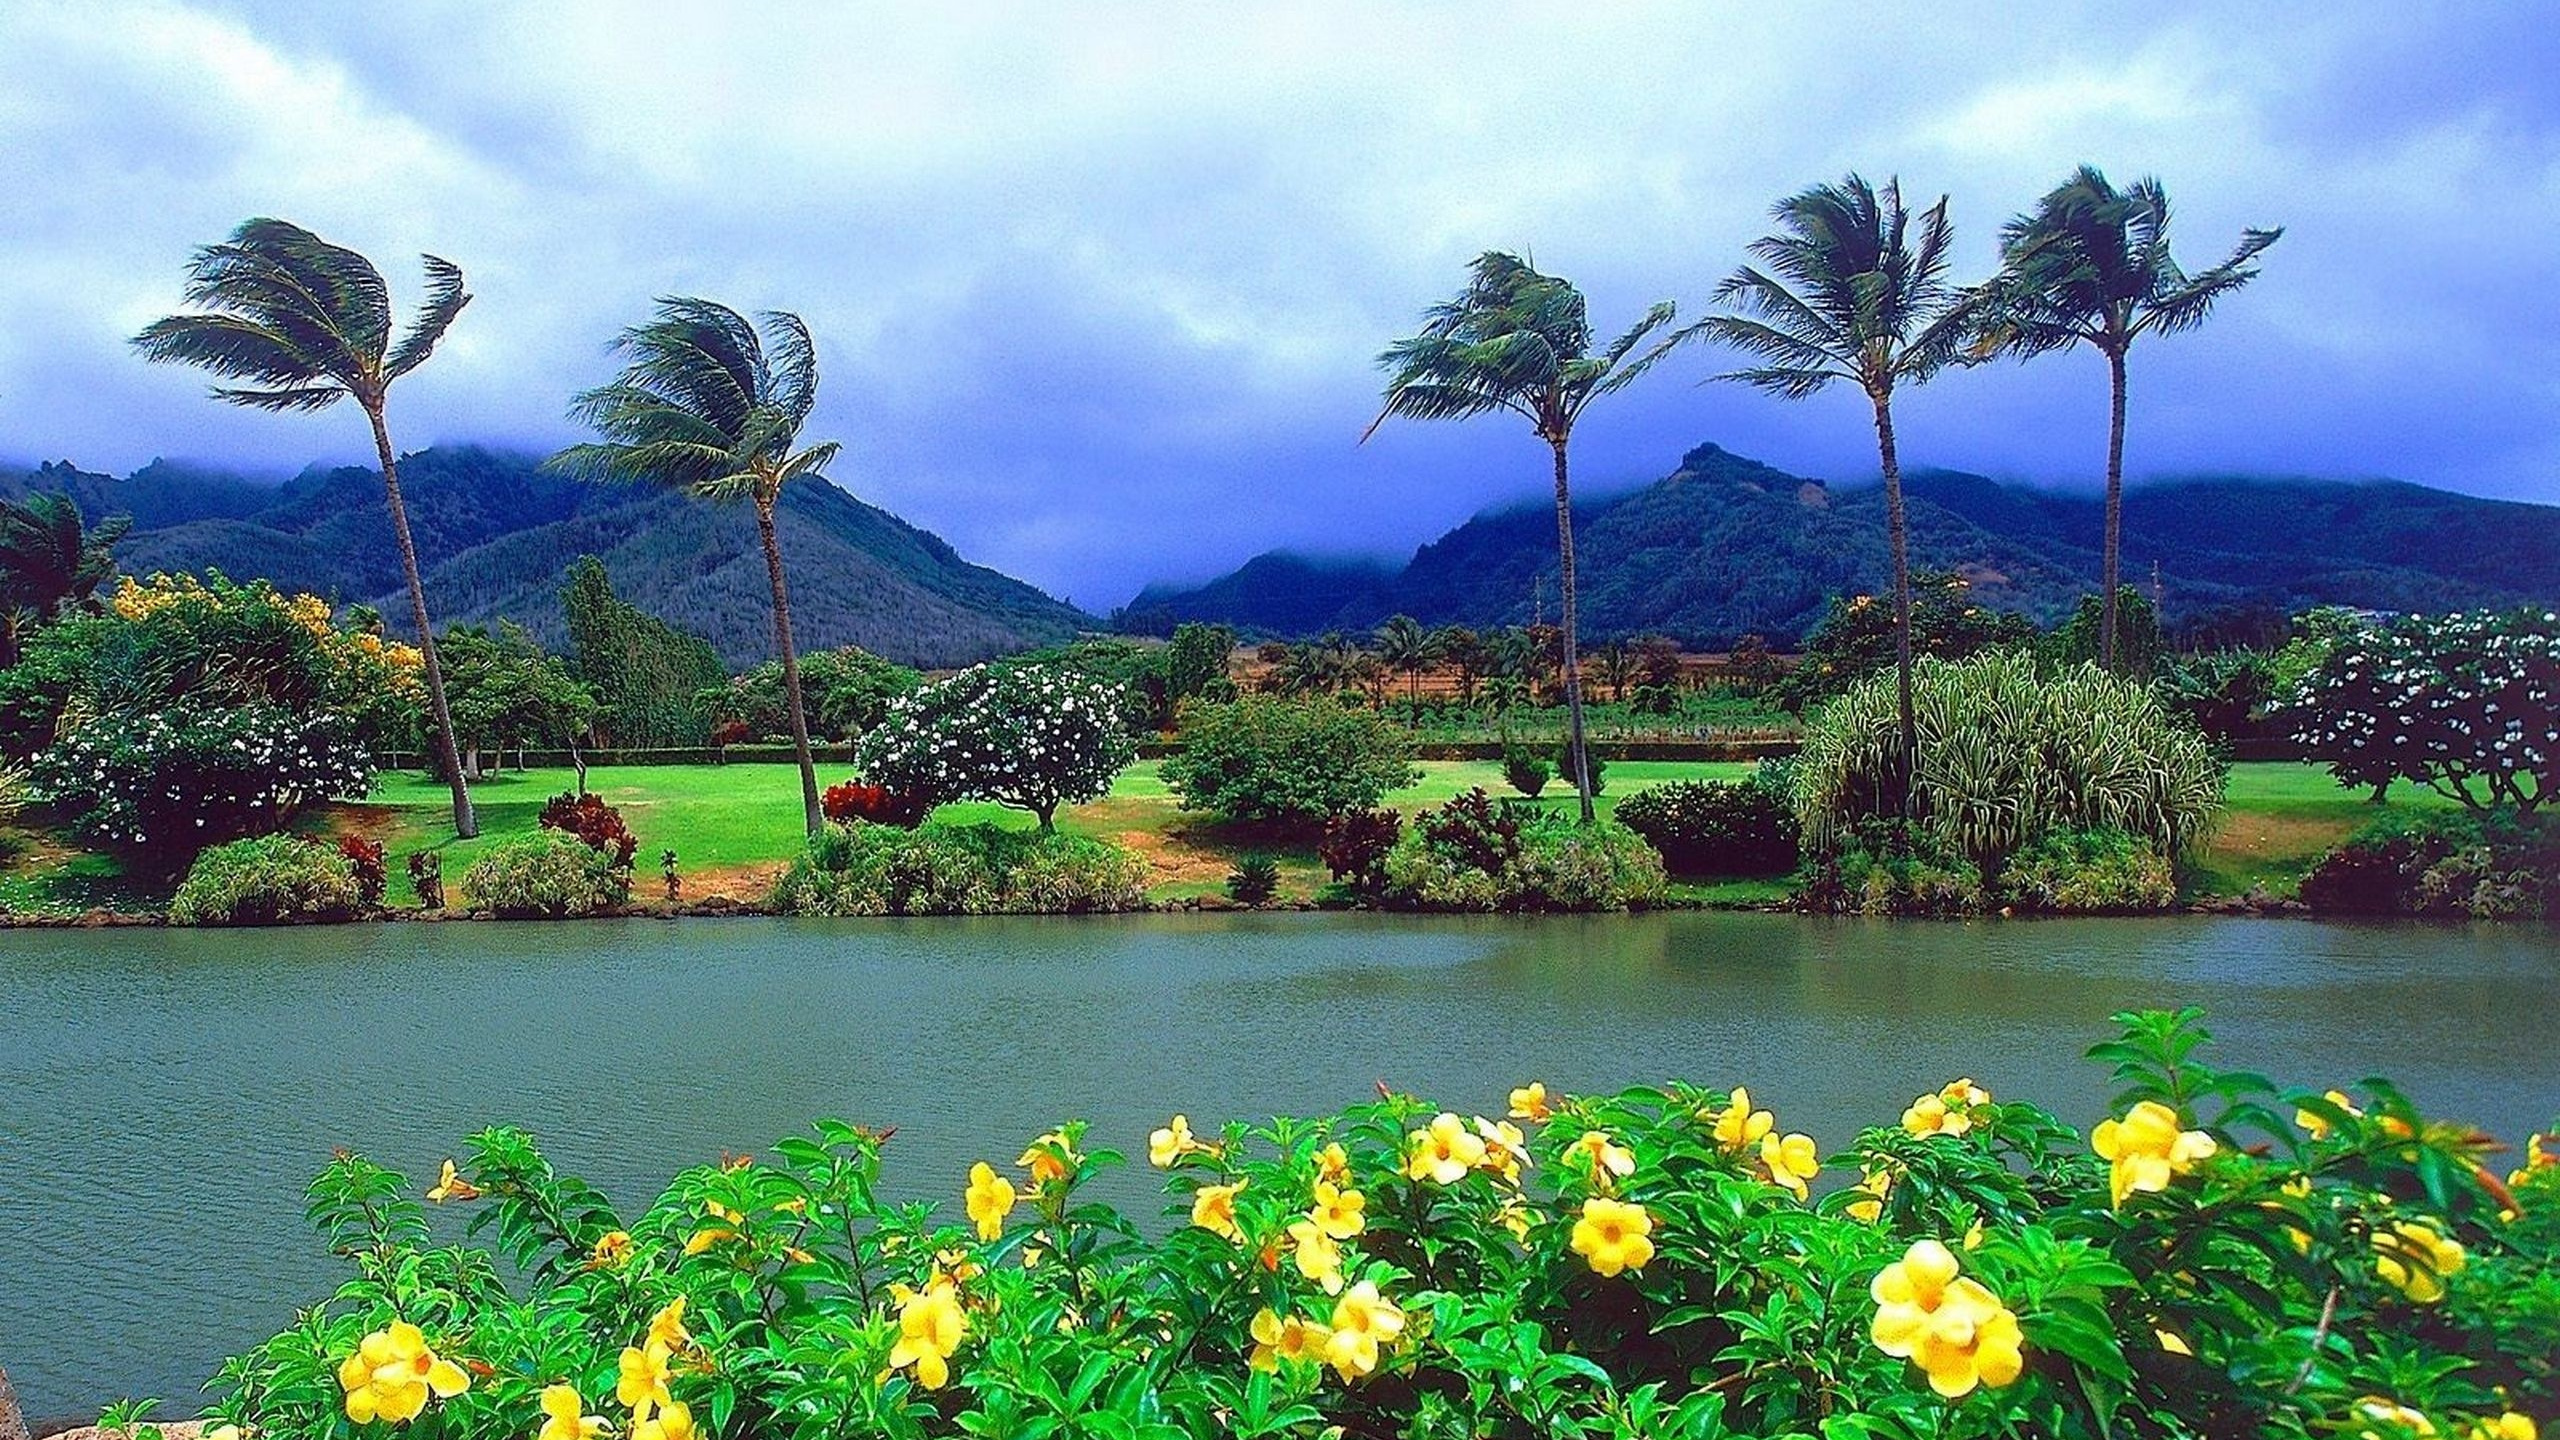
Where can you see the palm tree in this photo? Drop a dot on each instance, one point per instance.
(709, 405)
(304, 324)
(1465, 651)
(50, 563)
(1617, 669)
(1408, 649)
(2090, 265)
(1520, 341)
(1849, 292)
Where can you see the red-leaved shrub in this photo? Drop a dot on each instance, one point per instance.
(588, 818)
(854, 800)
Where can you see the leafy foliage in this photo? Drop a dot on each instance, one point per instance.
(505, 692)
(174, 779)
(1855, 638)
(1355, 847)
(546, 875)
(872, 804)
(1254, 881)
(271, 880)
(1525, 770)
(1716, 827)
(1473, 855)
(647, 676)
(591, 822)
(866, 869)
(2461, 866)
(2089, 872)
(2467, 705)
(1034, 737)
(1267, 758)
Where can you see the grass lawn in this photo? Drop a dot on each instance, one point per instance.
(2280, 818)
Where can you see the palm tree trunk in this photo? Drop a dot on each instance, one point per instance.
(2110, 560)
(466, 822)
(1575, 753)
(790, 665)
(1898, 531)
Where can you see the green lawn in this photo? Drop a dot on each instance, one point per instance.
(2280, 818)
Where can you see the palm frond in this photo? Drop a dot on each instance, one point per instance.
(445, 299)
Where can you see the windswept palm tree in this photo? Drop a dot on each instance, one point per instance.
(1845, 290)
(50, 563)
(1408, 649)
(303, 324)
(2090, 265)
(1520, 341)
(710, 406)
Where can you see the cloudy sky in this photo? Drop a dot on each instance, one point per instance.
(1098, 288)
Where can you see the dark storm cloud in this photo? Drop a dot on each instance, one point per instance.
(1098, 289)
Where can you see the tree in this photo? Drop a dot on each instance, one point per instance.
(1519, 341)
(1465, 651)
(49, 563)
(648, 677)
(2090, 265)
(1857, 637)
(304, 324)
(1617, 669)
(1034, 737)
(1849, 293)
(507, 692)
(2462, 704)
(710, 406)
(1407, 649)
(1261, 758)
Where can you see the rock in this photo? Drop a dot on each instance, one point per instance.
(13, 1426)
(1215, 902)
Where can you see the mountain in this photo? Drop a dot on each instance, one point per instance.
(1725, 546)
(495, 532)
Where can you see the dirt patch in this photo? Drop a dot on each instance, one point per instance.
(2276, 837)
(752, 881)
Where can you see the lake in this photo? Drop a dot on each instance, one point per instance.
(165, 1094)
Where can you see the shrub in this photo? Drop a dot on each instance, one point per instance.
(1355, 847)
(1590, 756)
(731, 732)
(547, 875)
(1254, 881)
(589, 820)
(1888, 868)
(1471, 831)
(188, 774)
(2463, 704)
(1716, 827)
(865, 869)
(1525, 770)
(874, 804)
(426, 879)
(1034, 737)
(2089, 872)
(2447, 866)
(1266, 757)
(1470, 855)
(268, 880)
(364, 859)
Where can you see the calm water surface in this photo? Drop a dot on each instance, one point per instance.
(164, 1095)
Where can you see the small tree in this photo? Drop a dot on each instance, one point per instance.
(1034, 737)
(2467, 705)
(1293, 761)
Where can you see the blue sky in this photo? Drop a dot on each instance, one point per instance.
(1098, 288)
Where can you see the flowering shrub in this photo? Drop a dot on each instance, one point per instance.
(875, 804)
(1716, 827)
(1030, 736)
(180, 777)
(2467, 705)
(547, 875)
(1646, 1264)
(866, 869)
(269, 880)
(1268, 758)
(590, 821)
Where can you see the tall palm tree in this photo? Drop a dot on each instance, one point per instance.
(1520, 341)
(1847, 291)
(304, 324)
(1408, 649)
(709, 405)
(50, 562)
(2090, 265)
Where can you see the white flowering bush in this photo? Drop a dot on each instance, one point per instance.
(1034, 737)
(190, 775)
(2465, 704)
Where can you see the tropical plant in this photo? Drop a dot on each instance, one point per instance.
(546, 874)
(2467, 705)
(1525, 770)
(1850, 293)
(866, 869)
(171, 780)
(1355, 847)
(848, 690)
(1254, 881)
(649, 678)
(709, 405)
(590, 821)
(50, 562)
(507, 693)
(1857, 637)
(1292, 762)
(1472, 855)
(269, 880)
(2090, 265)
(1519, 341)
(1034, 737)
(301, 324)
(1409, 650)
(1717, 827)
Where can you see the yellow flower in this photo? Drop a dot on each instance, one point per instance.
(1739, 1127)
(2386, 1419)
(451, 1186)
(1506, 1150)
(2509, 1426)
(564, 1415)
(989, 1198)
(954, 1267)
(1957, 1332)
(612, 1252)
(2318, 1125)
(1292, 1338)
(1332, 1165)
(1790, 1162)
(643, 1375)
(1930, 1115)
(1213, 1208)
(1529, 1102)
(2146, 1149)
(2415, 1258)
(1444, 1153)
(1605, 1159)
(1049, 1159)
(1965, 1093)
(1339, 1212)
(393, 1374)
(1171, 1143)
(1873, 1184)
(1613, 1236)
(1362, 1321)
(1318, 1255)
(671, 1421)
(1514, 1217)
(710, 1235)
(930, 1328)
(667, 1326)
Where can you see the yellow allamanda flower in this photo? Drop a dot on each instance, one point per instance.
(451, 1186)
(2415, 1258)
(709, 1235)
(1362, 1321)
(1790, 1162)
(2509, 1426)
(1213, 1208)
(989, 1198)
(1529, 1102)
(1613, 1235)
(1957, 1332)
(642, 1372)
(394, 1373)
(1930, 1115)
(667, 1326)
(1602, 1157)
(1291, 1338)
(1171, 1143)
(1443, 1152)
(1333, 1166)
(1872, 1186)
(2382, 1419)
(931, 1326)
(1964, 1092)
(1338, 1212)
(671, 1421)
(612, 1251)
(1506, 1150)
(1318, 1255)
(2318, 1126)
(2537, 1156)
(2146, 1150)
(1049, 1159)
(564, 1416)
(1738, 1126)
(1514, 1216)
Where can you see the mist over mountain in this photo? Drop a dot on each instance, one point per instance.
(1726, 546)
